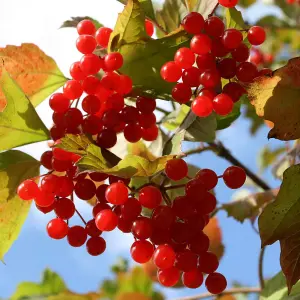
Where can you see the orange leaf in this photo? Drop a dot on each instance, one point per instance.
(277, 99)
(213, 231)
(36, 73)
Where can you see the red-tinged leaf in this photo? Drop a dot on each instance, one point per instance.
(276, 99)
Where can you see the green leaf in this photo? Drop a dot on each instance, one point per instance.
(146, 6)
(246, 3)
(143, 53)
(15, 167)
(275, 289)
(268, 156)
(75, 20)
(173, 120)
(271, 20)
(51, 284)
(74, 143)
(225, 121)
(205, 7)
(173, 145)
(280, 219)
(234, 19)
(19, 123)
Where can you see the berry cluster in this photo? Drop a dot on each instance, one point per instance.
(207, 61)
(172, 236)
(105, 112)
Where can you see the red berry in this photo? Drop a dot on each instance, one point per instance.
(115, 102)
(234, 90)
(90, 85)
(208, 262)
(62, 154)
(163, 217)
(117, 193)
(95, 245)
(64, 208)
(184, 58)
(222, 104)
(92, 125)
(206, 62)
(150, 134)
(57, 132)
(99, 207)
(205, 204)
(43, 199)
(91, 104)
(91, 228)
(76, 236)
(102, 36)
(202, 106)
(145, 105)
(199, 244)
(123, 224)
(90, 64)
(132, 132)
(46, 209)
(85, 189)
(265, 72)
(28, 190)
(110, 80)
(142, 228)
(246, 72)
(168, 277)
(181, 93)
(192, 279)
(176, 169)
(106, 220)
(214, 26)
(234, 177)
(228, 3)
(191, 77)
(76, 72)
(164, 257)
(86, 44)
(208, 177)
(149, 27)
(97, 176)
(186, 260)
(141, 251)
(86, 27)
(232, 38)
(215, 283)
(256, 35)
(72, 89)
(131, 209)
(125, 85)
(210, 78)
(201, 44)
(170, 72)
(107, 138)
(182, 207)
(150, 197)
(129, 114)
(241, 53)
(59, 103)
(195, 188)
(113, 61)
(218, 49)
(57, 229)
(227, 68)
(210, 93)
(193, 23)
(64, 186)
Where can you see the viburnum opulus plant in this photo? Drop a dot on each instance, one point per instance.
(205, 67)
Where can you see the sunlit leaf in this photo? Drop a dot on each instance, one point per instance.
(268, 156)
(147, 7)
(205, 7)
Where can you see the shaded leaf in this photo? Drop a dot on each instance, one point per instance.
(36, 73)
(74, 143)
(147, 7)
(51, 284)
(140, 149)
(19, 119)
(275, 289)
(246, 3)
(271, 20)
(75, 20)
(205, 7)
(15, 167)
(268, 157)
(173, 145)
(276, 99)
(280, 219)
(234, 19)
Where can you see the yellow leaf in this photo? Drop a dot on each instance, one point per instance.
(131, 296)
(277, 99)
(35, 72)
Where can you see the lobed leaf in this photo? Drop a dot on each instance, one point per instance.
(36, 73)
(19, 119)
(15, 167)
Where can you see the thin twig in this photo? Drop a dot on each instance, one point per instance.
(162, 110)
(159, 27)
(80, 216)
(214, 10)
(261, 267)
(198, 150)
(241, 290)
(174, 187)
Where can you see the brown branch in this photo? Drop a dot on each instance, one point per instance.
(198, 150)
(241, 290)
(214, 10)
(260, 267)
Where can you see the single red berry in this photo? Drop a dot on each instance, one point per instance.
(210, 93)
(145, 105)
(99, 207)
(183, 207)
(164, 257)
(186, 260)
(100, 193)
(170, 72)
(95, 245)
(132, 132)
(57, 229)
(206, 62)
(28, 190)
(64, 208)
(92, 125)
(90, 64)
(232, 38)
(195, 188)
(228, 3)
(215, 283)
(131, 209)
(191, 77)
(150, 134)
(227, 68)
(214, 26)
(76, 236)
(160, 236)
(256, 35)
(57, 132)
(107, 138)
(241, 53)
(59, 103)
(125, 85)
(208, 177)
(234, 177)
(113, 61)
(102, 36)
(192, 279)
(141, 251)
(76, 72)
(62, 154)
(86, 44)
(43, 199)
(199, 244)
(222, 104)
(202, 106)
(113, 179)
(97, 176)
(86, 27)
(201, 44)
(91, 228)
(193, 23)
(149, 27)
(168, 277)
(85, 189)
(142, 228)
(110, 119)
(205, 204)
(72, 89)
(210, 78)
(49, 184)
(91, 104)
(129, 114)
(117, 193)
(184, 58)
(234, 90)
(181, 93)
(163, 217)
(106, 220)
(123, 224)
(110, 81)
(115, 102)
(65, 186)
(46, 209)
(246, 72)
(176, 169)
(147, 120)
(218, 49)
(58, 119)
(150, 197)
(90, 85)
(208, 262)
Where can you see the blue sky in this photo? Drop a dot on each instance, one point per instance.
(37, 22)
